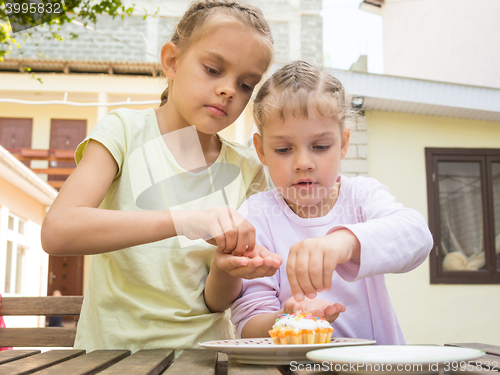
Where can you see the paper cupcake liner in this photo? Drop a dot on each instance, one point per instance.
(288, 336)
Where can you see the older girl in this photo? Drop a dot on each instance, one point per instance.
(136, 170)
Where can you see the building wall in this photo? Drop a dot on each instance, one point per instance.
(432, 314)
(13, 200)
(21, 203)
(296, 26)
(355, 163)
(444, 40)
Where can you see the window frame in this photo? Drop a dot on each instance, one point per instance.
(491, 275)
(16, 239)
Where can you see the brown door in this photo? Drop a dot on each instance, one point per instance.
(15, 133)
(66, 273)
(65, 135)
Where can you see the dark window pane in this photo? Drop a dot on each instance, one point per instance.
(461, 209)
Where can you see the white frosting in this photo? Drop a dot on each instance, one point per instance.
(324, 324)
(300, 324)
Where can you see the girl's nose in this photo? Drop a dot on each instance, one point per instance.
(227, 90)
(303, 161)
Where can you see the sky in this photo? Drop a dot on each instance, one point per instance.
(349, 32)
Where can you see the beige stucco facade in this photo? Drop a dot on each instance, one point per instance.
(24, 199)
(442, 40)
(88, 89)
(435, 314)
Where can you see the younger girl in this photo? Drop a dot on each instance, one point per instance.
(319, 221)
(138, 168)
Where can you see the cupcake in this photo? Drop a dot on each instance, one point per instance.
(300, 328)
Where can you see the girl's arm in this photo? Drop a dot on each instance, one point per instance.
(385, 237)
(224, 282)
(260, 325)
(221, 289)
(75, 226)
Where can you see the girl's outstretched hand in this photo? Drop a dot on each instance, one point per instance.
(260, 262)
(311, 262)
(220, 226)
(317, 307)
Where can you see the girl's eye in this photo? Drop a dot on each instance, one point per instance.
(282, 150)
(321, 148)
(211, 70)
(245, 87)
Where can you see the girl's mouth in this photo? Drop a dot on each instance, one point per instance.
(305, 185)
(216, 111)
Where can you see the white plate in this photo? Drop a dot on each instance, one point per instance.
(263, 351)
(394, 359)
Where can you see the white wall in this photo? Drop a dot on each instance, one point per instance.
(35, 270)
(443, 40)
(431, 314)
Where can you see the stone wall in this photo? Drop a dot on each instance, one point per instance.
(296, 25)
(355, 162)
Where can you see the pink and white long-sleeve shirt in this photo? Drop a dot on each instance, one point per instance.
(393, 239)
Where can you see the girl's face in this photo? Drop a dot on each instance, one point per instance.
(213, 79)
(303, 156)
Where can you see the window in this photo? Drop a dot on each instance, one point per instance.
(463, 190)
(15, 255)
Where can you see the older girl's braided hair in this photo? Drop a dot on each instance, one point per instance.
(199, 18)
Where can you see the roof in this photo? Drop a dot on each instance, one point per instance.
(372, 6)
(16, 173)
(81, 66)
(423, 97)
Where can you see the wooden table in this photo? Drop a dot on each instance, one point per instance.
(160, 361)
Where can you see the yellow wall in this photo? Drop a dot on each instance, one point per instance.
(79, 88)
(21, 203)
(435, 314)
(36, 264)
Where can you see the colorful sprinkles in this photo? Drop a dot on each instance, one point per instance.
(299, 315)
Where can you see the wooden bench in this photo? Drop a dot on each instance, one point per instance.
(38, 306)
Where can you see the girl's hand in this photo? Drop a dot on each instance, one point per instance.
(317, 307)
(220, 226)
(260, 262)
(311, 262)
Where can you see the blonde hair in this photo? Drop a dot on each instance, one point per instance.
(291, 90)
(205, 15)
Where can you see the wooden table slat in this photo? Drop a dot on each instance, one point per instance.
(489, 361)
(481, 371)
(143, 362)
(236, 368)
(38, 362)
(14, 355)
(38, 337)
(87, 364)
(221, 365)
(194, 361)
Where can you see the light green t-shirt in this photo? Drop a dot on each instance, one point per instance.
(151, 296)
